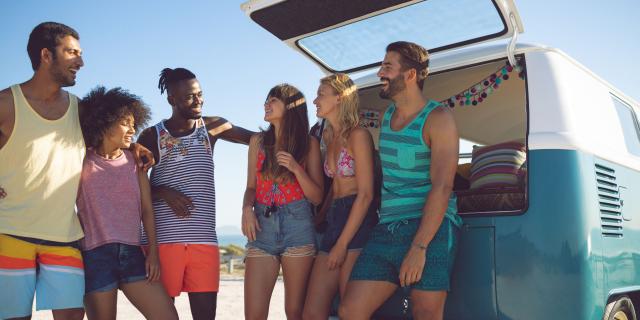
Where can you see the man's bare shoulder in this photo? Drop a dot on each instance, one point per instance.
(5, 96)
(214, 119)
(6, 103)
(440, 117)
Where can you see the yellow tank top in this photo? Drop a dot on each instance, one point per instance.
(40, 168)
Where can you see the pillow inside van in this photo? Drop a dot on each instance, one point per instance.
(497, 165)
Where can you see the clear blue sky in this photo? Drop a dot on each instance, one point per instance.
(127, 43)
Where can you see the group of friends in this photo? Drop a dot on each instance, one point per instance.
(80, 218)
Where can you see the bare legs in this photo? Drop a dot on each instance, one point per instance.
(149, 298)
(324, 284)
(260, 278)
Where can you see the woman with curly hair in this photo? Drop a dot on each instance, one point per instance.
(284, 178)
(114, 196)
(351, 216)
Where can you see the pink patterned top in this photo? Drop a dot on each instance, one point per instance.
(344, 167)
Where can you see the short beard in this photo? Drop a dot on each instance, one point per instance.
(59, 77)
(396, 85)
(187, 114)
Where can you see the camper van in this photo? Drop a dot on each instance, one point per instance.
(548, 183)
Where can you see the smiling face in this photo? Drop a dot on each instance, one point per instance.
(273, 110)
(66, 61)
(327, 102)
(120, 134)
(391, 76)
(187, 99)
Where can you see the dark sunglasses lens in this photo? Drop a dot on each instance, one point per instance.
(270, 210)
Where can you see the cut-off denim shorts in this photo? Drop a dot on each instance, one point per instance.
(337, 219)
(112, 264)
(287, 232)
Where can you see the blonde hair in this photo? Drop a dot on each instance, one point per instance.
(348, 116)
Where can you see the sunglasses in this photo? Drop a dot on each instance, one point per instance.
(272, 209)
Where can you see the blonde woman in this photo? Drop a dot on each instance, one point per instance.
(349, 161)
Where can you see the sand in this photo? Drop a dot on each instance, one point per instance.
(230, 302)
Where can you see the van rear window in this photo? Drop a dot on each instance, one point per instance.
(435, 24)
(630, 127)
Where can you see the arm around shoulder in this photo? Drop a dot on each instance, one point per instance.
(149, 139)
(221, 127)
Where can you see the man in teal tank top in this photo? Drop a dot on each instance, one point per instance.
(414, 243)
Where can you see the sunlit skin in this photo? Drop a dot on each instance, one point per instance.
(148, 296)
(273, 111)
(391, 76)
(67, 61)
(187, 99)
(261, 272)
(57, 69)
(362, 298)
(119, 136)
(327, 103)
(331, 271)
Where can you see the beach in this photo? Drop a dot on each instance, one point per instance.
(230, 302)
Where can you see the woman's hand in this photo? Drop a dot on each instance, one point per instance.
(152, 265)
(286, 160)
(337, 255)
(250, 225)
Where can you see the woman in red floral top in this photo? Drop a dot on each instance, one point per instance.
(284, 179)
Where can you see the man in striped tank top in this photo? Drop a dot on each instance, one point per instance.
(182, 183)
(414, 243)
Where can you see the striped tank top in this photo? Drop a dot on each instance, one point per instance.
(186, 165)
(406, 164)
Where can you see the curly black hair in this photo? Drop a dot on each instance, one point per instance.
(101, 109)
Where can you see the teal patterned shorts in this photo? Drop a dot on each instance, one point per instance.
(382, 256)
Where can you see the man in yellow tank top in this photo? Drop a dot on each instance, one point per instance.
(41, 154)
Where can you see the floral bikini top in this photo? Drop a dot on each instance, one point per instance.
(344, 166)
(268, 192)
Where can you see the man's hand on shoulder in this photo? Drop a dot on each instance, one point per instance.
(143, 156)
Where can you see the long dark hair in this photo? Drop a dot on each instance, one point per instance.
(294, 132)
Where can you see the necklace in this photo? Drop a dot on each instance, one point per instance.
(106, 156)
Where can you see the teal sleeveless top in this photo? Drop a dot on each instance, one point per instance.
(406, 165)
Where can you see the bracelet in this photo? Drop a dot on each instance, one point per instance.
(423, 247)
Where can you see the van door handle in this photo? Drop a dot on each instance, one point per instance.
(621, 192)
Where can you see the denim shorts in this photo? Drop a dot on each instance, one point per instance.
(388, 244)
(289, 227)
(112, 264)
(337, 217)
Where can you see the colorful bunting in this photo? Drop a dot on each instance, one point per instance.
(478, 92)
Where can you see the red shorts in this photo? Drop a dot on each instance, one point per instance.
(188, 267)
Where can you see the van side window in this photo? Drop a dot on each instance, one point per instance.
(630, 127)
